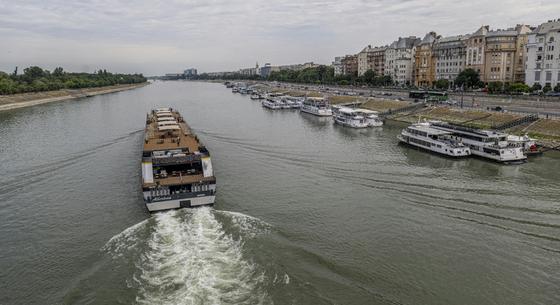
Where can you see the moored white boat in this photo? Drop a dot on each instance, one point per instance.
(488, 144)
(272, 103)
(423, 136)
(317, 106)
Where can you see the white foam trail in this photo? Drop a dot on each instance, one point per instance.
(190, 260)
(249, 226)
(125, 240)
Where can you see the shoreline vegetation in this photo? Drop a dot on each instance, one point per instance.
(21, 100)
(38, 86)
(35, 79)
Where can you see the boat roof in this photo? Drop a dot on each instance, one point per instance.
(168, 137)
(474, 131)
(164, 123)
(367, 111)
(430, 130)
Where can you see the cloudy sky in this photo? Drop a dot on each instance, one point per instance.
(156, 37)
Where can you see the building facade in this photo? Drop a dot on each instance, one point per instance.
(371, 59)
(476, 49)
(337, 65)
(543, 55)
(424, 65)
(505, 52)
(350, 65)
(399, 60)
(450, 57)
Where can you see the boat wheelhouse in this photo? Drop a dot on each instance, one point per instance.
(316, 106)
(176, 167)
(424, 136)
(489, 144)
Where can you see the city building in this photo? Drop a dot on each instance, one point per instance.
(424, 64)
(296, 67)
(350, 65)
(450, 57)
(543, 55)
(505, 52)
(371, 59)
(190, 72)
(337, 65)
(476, 50)
(265, 70)
(399, 60)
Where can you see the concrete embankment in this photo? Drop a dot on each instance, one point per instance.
(9, 102)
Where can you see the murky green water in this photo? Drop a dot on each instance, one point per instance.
(307, 212)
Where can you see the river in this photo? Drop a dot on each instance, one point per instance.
(306, 213)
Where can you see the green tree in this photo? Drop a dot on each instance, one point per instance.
(369, 77)
(519, 87)
(547, 88)
(557, 88)
(58, 72)
(536, 87)
(468, 78)
(495, 87)
(441, 84)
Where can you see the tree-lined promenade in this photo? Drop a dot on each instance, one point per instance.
(468, 79)
(36, 79)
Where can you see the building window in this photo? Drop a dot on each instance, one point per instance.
(548, 76)
(537, 76)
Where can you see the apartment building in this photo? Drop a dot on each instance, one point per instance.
(424, 65)
(543, 55)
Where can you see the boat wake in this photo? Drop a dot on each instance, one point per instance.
(186, 257)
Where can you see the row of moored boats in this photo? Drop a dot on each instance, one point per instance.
(442, 138)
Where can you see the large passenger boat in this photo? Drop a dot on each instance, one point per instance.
(176, 167)
(489, 144)
(423, 136)
(316, 106)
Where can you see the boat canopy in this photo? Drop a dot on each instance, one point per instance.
(167, 123)
(168, 127)
(164, 119)
(345, 110)
(367, 111)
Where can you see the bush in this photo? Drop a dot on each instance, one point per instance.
(35, 79)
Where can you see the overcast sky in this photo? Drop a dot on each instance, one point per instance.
(156, 37)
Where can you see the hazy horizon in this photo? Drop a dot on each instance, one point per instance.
(160, 37)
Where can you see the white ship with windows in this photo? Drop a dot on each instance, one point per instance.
(489, 144)
(176, 167)
(317, 106)
(355, 118)
(424, 136)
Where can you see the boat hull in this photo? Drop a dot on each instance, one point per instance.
(180, 203)
(317, 112)
(434, 151)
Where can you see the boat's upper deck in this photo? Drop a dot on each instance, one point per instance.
(166, 130)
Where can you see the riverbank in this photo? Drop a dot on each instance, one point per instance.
(9, 102)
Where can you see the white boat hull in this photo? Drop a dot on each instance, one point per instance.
(454, 152)
(180, 203)
(317, 112)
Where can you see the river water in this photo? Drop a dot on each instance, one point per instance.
(307, 212)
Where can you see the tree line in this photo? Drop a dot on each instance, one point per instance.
(36, 79)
